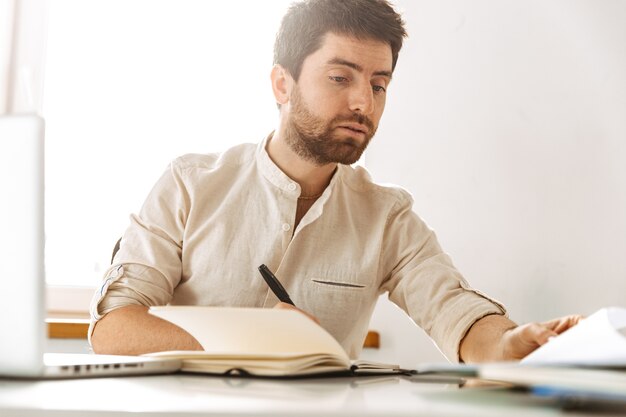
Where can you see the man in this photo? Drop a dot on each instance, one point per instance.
(336, 239)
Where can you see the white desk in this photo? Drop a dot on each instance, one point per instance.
(190, 395)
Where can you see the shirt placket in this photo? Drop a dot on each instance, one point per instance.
(288, 218)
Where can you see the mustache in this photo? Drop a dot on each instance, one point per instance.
(355, 118)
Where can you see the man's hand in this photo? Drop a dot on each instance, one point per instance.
(522, 340)
(286, 306)
(496, 338)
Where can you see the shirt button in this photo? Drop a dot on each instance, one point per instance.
(292, 186)
(286, 227)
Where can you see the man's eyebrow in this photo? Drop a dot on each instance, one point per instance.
(356, 67)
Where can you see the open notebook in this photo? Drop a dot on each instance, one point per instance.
(261, 342)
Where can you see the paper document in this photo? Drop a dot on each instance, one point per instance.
(598, 340)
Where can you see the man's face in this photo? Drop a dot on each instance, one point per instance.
(334, 108)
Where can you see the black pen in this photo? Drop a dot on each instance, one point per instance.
(275, 285)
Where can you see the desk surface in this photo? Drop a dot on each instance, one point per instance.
(191, 395)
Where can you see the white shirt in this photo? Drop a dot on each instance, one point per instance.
(211, 220)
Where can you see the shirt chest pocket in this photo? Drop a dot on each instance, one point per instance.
(326, 283)
(342, 304)
(332, 297)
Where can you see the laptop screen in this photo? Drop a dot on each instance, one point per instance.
(21, 245)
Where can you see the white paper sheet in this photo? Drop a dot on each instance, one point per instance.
(598, 340)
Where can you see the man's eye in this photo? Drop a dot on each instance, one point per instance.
(379, 88)
(338, 79)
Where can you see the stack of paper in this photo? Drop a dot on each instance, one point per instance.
(586, 361)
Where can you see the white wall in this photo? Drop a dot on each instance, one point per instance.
(22, 44)
(6, 30)
(506, 120)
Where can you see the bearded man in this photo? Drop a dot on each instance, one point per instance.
(336, 239)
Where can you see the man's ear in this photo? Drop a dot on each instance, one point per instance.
(282, 83)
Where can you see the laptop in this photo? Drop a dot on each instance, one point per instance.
(22, 272)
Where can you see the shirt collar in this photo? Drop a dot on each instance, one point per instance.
(276, 176)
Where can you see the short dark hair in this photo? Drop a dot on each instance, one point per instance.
(307, 22)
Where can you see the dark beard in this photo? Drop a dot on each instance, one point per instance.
(312, 139)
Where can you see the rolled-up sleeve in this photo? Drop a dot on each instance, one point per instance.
(147, 267)
(423, 282)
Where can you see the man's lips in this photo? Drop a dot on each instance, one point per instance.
(356, 127)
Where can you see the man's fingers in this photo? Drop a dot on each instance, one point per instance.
(522, 340)
(542, 332)
(537, 333)
(562, 323)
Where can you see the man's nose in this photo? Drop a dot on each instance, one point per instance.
(362, 99)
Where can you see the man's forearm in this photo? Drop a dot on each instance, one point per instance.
(496, 338)
(131, 330)
(485, 340)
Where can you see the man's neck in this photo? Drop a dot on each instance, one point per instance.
(312, 178)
